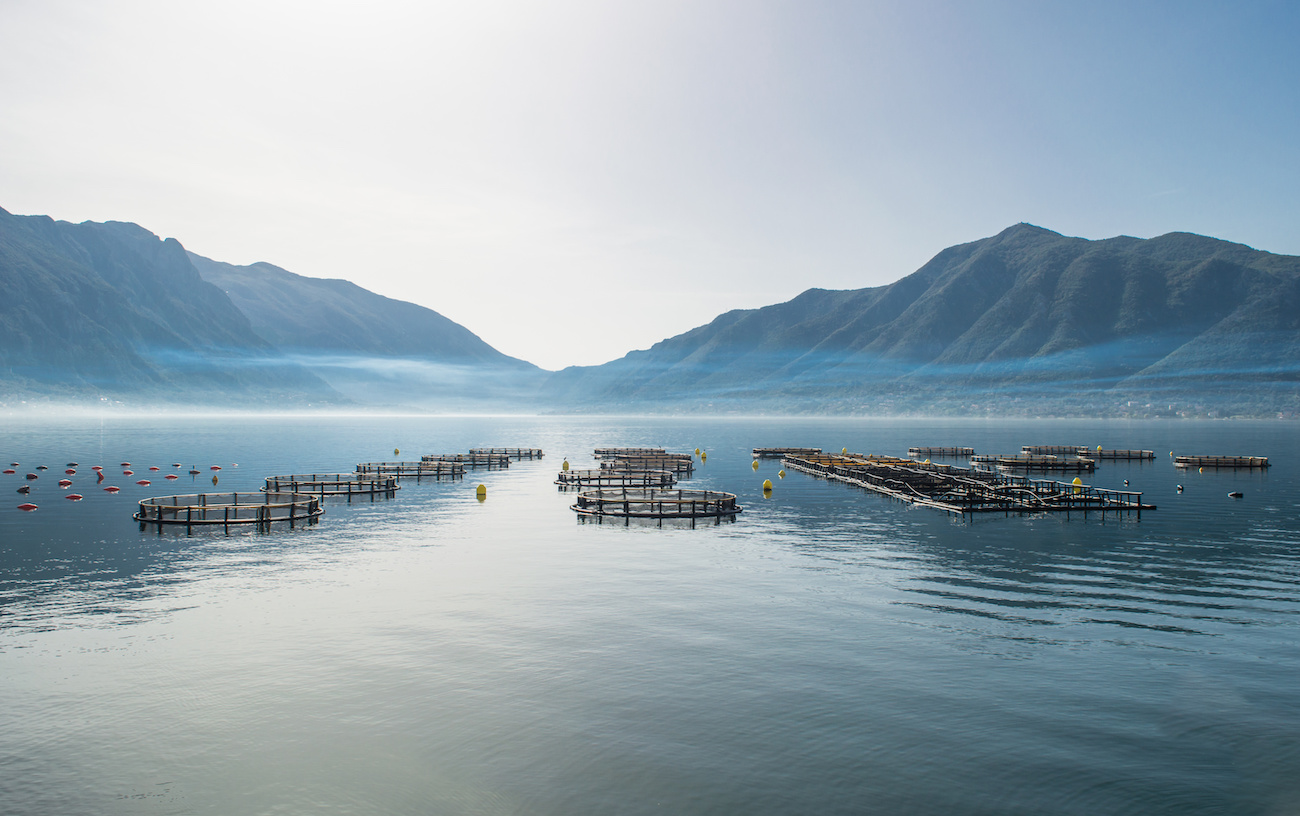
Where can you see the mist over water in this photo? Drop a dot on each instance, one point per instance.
(831, 651)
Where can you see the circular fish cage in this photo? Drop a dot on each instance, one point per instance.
(616, 478)
(262, 509)
(419, 470)
(657, 505)
(334, 484)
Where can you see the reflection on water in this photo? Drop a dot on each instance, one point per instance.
(830, 651)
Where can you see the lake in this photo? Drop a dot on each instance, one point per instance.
(831, 651)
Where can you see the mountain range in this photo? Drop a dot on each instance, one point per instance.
(1025, 322)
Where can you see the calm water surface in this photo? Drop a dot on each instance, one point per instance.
(829, 652)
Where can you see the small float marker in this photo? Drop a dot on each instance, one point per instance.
(171, 476)
(214, 478)
(755, 465)
(215, 467)
(128, 473)
(10, 471)
(27, 508)
(780, 474)
(154, 467)
(74, 497)
(65, 483)
(111, 489)
(1236, 494)
(481, 492)
(70, 472)
(767, 485)
(143, 482)
(565, 465)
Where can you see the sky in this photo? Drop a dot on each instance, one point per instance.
(575, 180)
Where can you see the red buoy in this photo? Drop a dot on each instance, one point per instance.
(65, 482)
(74, 497)
(70, 472)
(32, 477)
(126, 464)
(171, 476)
(153, 467)
(215, 467)
(10, 471)
(96, 467)
(128, 473)
(143, 482)
(111, 489)
(27, 507)
(99, 477)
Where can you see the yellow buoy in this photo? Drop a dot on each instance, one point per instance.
(481, 492)
(1099, 447)
(697, 451)
(565, 466)
(755, 465)
(927, 461)
(844, 450)
(396, 451)
(781, 474)
(1078, 485)
(214, 479)
(767, 485)
(704, 457)
(1200, 470)
(1077, 480)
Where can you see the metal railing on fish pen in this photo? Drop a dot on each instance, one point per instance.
(616, 478)
(1203, 460)
(1106, 453)
(610, 453)
(418, 470)
(334, 484)
(681, 464)
(513, 453)
(1055, 450)
(261, 509)
(966, 490)
(490, 461)
(1032, 461)
(656, 505)
(781, 453)
(939, 451)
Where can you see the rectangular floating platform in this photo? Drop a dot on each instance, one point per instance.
(1054, 450)
(927, 452)
(1202, 460)
(963, 491)
(1121, 454)
(419, 470)
(781, 453)
(513, 453)
(610, 453)
(1030, 461)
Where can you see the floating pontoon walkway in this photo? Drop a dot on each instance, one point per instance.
(491, 461)
(1043, 462)
(513, 453)
(616, 478)
(610, 453)
(261, 509)
(964, 491)
(333, 484)
(954, 452)
(781, 453)
(1221, 461)
(657, 505)
(420, 470)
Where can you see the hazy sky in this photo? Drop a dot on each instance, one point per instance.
(573, 180)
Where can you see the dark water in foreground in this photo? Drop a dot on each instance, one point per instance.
(830, 652)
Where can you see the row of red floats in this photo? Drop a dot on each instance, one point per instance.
(99, 472)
